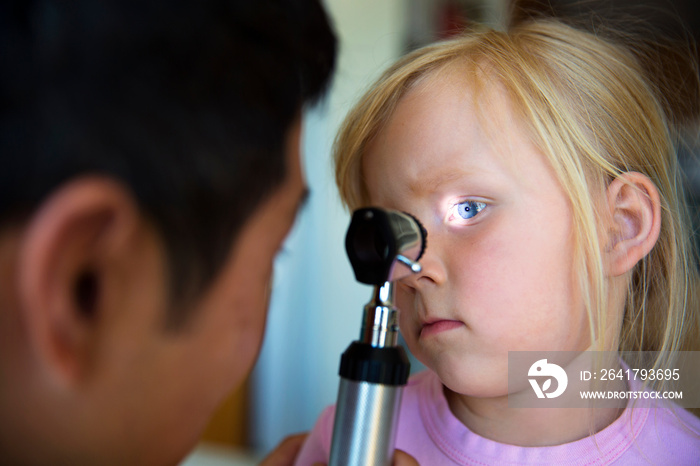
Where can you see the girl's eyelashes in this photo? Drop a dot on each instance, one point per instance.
(466, 210)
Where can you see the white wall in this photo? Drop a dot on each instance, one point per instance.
(316, 305)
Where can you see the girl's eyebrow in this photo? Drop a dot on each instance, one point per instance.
(422, 185)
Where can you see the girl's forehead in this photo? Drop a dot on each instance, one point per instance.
(451, 135)
(444, 126)
(465, 99)
(476, 88)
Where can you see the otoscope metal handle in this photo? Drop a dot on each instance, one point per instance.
(371, 384)
(365, 424)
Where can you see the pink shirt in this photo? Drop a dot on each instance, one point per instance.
(434, 436)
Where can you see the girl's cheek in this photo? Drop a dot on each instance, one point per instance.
(405, 308)
(405, 320)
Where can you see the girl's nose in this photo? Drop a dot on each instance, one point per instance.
(433, 270)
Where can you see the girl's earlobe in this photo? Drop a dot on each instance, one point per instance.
(634, 221)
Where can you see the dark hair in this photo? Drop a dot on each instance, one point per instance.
(185, 102)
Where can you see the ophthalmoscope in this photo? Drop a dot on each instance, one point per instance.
(383, 246)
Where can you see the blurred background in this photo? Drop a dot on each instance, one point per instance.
(316, 305)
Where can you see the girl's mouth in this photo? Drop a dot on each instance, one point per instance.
(439, 326)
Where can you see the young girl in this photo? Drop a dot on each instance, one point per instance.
(541, 163)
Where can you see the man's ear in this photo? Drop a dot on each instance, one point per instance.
(72, 246)
(635, 221)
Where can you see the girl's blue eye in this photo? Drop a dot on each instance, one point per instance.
(469, 209)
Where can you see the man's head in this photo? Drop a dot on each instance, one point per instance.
(180, 101)
(150, 172)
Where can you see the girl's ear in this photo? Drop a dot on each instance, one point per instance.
(634, 221)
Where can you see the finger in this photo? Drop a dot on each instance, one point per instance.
(286, 452)
(402, 458)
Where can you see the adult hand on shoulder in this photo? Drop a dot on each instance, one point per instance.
(286, 452)
(401, 458)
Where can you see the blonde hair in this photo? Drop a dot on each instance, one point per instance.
(594, 116)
